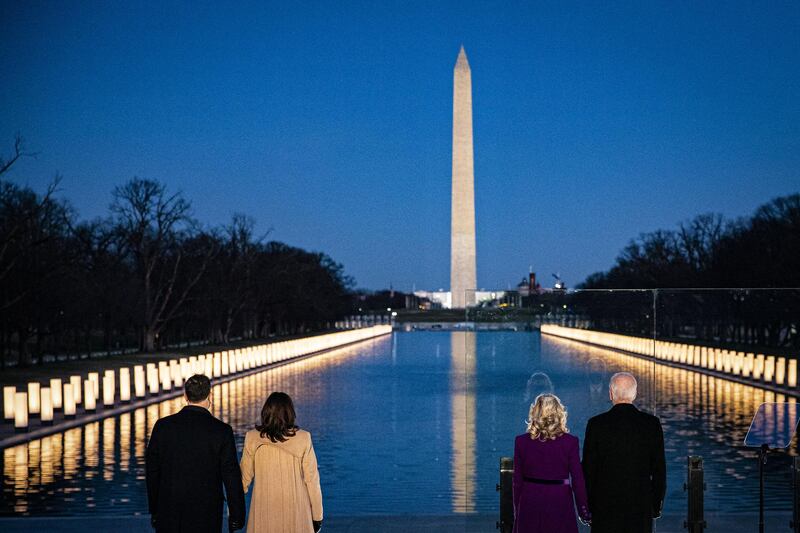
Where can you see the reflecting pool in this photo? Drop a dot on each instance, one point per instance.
(416, 423)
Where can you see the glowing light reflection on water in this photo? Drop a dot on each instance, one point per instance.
(413, 423)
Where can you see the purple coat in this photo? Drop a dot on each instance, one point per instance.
(542, 508)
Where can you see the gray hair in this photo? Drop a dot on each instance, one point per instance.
(623, 386)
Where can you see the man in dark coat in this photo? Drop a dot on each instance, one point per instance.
(624, 464)
(190, 457)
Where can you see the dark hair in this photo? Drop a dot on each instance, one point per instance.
(277, 418)
(197, 388)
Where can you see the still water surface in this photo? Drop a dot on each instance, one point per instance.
(416, 423)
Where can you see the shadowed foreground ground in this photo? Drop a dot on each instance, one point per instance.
(731, 523)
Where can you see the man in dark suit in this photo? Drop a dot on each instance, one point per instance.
(624, 464)
(190, 457)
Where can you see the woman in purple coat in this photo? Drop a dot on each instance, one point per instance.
(547, 472)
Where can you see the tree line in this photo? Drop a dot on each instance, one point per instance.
(761, 251)
(147, 275)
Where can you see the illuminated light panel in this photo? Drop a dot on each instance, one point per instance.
(108, 391)
(77, 388)
(69, 401)
(21, 411)
(125, 384)
(8, 402)
(33, 398)
(56, 391)
(89, 401)
(47, 406)
(139, 381)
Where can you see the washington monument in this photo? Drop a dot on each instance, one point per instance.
(463, 275)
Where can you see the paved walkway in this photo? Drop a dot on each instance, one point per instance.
(728, 523)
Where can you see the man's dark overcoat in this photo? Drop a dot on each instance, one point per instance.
(190, 457)
(625, 470)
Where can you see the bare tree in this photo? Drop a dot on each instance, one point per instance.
(699, 238)
(27, 222)
(152, 226)
(18, 152)
(147, 274)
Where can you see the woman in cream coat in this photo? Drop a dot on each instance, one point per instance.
(280, 457)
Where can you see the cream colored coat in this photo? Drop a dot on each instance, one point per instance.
(286, 494)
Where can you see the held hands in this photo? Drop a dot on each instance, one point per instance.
(234, 525)
(584, 516)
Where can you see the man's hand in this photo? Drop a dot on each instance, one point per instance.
(317, 525)
(657, 510)
(233, 525)
(153, 520)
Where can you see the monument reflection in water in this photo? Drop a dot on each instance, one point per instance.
(416, 423)
(462, 353)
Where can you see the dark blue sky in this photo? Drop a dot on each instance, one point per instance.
(330, 122)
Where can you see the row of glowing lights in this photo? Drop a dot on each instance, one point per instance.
(758, 368)
(59, 455)
(153, 379)
(366, 320)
